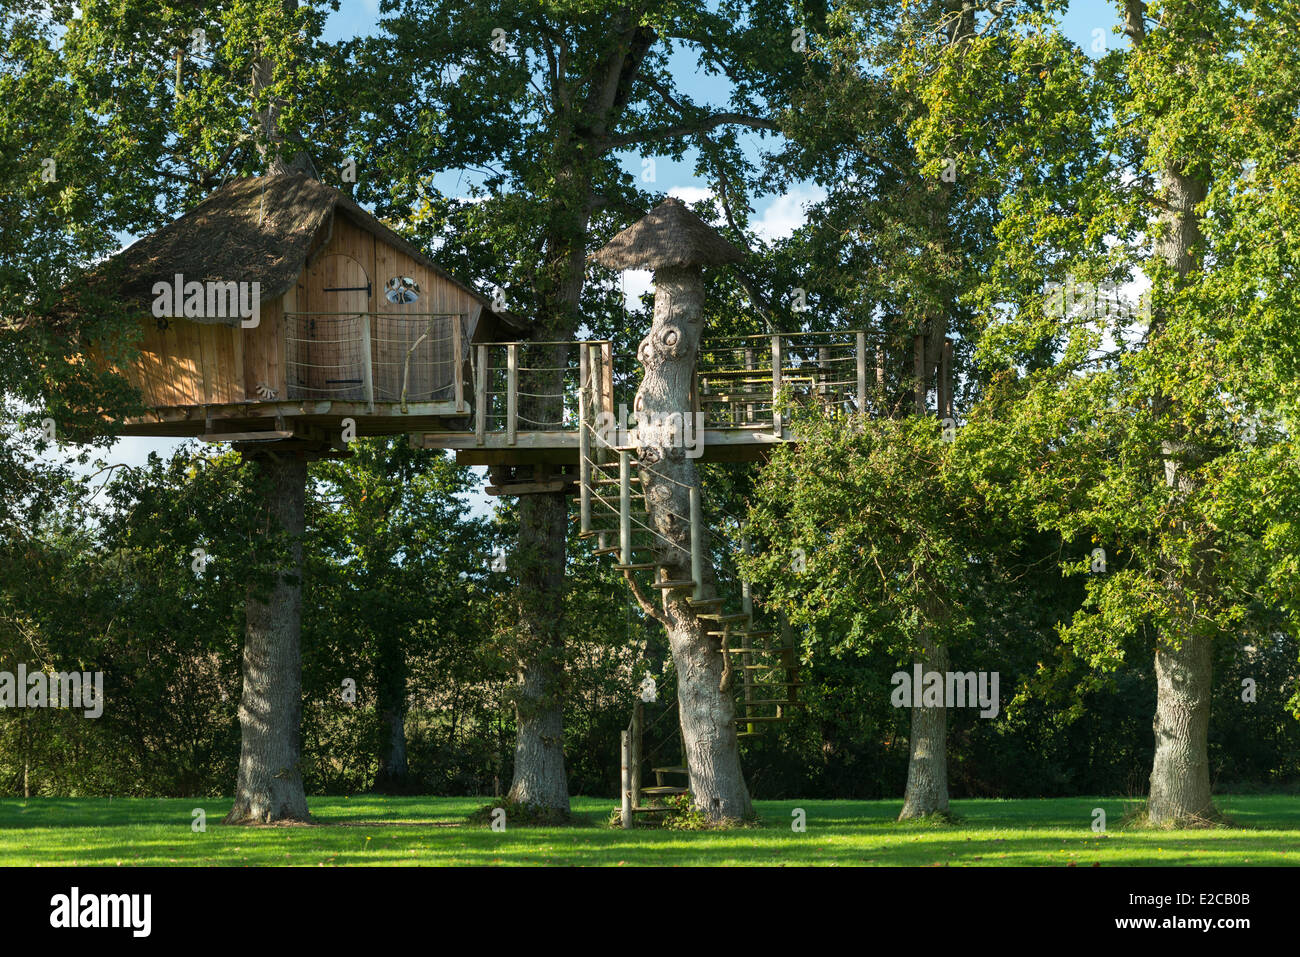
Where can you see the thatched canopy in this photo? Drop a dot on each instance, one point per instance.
(261, 229)
(669, 235)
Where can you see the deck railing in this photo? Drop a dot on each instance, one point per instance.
(522, 387)
(376, 357)
(533, 386)
(739, 379)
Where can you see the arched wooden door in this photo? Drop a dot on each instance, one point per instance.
(328, 348)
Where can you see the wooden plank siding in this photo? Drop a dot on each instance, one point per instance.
(189, 364)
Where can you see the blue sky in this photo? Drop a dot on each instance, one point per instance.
(774, 215)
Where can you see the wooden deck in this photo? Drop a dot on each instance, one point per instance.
(561, 447)
(740, 386)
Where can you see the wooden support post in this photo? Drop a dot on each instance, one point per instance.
(697, 543)
(625, 506)
(584, 439)
(458, 362)
(778, 428)
(638, 729)
(862, 371)
(918, 346)
(626, 780)
(367, 374)
(512, 393)
(694, 415)
(594, 407)
(480, 396)
(607, 375)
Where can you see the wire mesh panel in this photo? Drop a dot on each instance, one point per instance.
(324, 356)
(415, 357)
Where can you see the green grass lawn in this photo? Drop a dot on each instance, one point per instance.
(421, 830)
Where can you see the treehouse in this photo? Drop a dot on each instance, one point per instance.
(278, 308)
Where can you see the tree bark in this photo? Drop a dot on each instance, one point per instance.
(1184, 663)
(1180, 768)
(663, 410)
(390, 700)
(1180, 771)
(927, 765)
(269, 786)
(539, 775)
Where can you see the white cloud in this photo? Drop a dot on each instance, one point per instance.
(636, 282)
(786, 213)
(691, 194)
(778, 220)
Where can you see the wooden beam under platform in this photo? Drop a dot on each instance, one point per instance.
(385, 418)
(561, 448)
(539, 479)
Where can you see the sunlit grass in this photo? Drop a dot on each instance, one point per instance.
(430, 831)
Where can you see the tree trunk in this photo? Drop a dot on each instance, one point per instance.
(663, 411)
(539, 778)
(927, 765)
(1180, 769)
(1180, 773)
(390, 700)
(269, 786)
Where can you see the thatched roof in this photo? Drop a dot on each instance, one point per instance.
(261, 229)
(669, 235)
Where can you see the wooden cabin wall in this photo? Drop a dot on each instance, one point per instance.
(263, 352)
(192, 364)
(391, 340)
(187, 364)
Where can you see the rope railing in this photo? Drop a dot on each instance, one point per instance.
(741, 382)
(375, 357)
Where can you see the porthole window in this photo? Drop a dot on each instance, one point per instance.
(402, 290)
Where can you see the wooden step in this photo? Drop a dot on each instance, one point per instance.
(665, 791)
(675, 770)
(615, 549)
(706, 602)
(676, 583)
(724, 619)
(637, 567)
(761, 719)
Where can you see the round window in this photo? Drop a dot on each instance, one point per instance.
(402, 290)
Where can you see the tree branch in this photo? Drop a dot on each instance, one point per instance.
(641, 600)
(677, 131)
